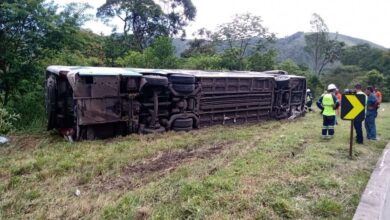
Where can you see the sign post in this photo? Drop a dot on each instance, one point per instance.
(353, 108)
(351, 141)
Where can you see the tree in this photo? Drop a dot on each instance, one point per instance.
(320, 48)
(366, 57)
(375, 78)
(33, 35)
(344, 77)
(22, 26)
(362, 55)
(64, 28)
(116, 46)
(232, 59)
(161, 54)
(203, 62)
(262, 61)
(244, 34)
(145, 20)
(386, 63)
(203, 44)
(178, 14)
(313, 82)
(292, 68)
(132, 59)
(386, 90)
(315, 85)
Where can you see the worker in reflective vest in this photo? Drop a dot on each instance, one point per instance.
(309, 100)
(328, 103)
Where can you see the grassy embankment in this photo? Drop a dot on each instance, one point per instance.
(272, 170)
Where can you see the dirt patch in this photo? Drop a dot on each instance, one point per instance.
(170, 159)
(138, 174)
(25, 142)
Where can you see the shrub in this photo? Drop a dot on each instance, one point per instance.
(7, 121)
(205, 62)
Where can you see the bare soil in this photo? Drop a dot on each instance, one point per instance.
(133, 175)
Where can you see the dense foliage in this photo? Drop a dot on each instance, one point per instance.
(373, 65)
(144, 20)
(37, 33)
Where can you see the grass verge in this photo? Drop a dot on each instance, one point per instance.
(271, 170)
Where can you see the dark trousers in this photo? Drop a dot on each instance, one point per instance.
(309, 104)
(357, 124)
(370, 126)
(328, 125)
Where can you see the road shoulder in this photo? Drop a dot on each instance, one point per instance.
(375, 201)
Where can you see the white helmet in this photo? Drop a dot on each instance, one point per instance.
(307, 90)
(332, 87)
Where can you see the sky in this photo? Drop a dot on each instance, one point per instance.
(365, 19)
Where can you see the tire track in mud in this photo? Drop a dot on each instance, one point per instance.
(135, 175)
(139, 174)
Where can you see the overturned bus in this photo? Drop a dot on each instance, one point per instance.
(101, 102)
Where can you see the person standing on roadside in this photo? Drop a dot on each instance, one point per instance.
(309, 99)
(357, 124)
(372, 112)
(338, 96)
(328, 103)
(378, 95)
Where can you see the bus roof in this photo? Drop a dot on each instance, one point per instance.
(202, 73)
(114, 71)
(93, 71)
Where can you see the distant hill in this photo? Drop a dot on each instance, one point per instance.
(291, 47)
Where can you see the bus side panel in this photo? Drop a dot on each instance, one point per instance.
(228, 100)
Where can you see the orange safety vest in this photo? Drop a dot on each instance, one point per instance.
(378, 95)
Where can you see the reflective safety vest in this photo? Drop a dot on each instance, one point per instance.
(308, 98)
(328, 104)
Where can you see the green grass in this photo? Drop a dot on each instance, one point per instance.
(271, 170)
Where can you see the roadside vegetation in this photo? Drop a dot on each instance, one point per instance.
(38, 33)
(270, 170)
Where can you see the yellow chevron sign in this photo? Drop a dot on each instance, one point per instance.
(353, 107)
